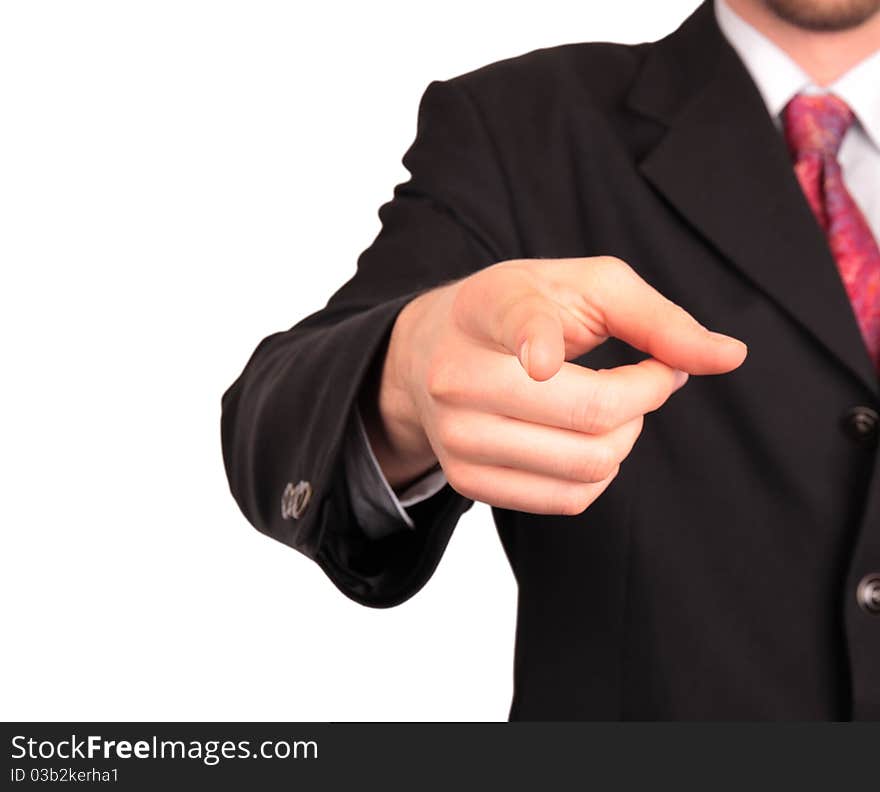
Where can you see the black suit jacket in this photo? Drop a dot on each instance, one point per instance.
(716, 577)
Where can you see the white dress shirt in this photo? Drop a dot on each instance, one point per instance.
(778, 78)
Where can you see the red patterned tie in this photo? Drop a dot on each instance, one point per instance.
(814, 128)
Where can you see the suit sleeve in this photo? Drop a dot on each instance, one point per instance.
(285, 419)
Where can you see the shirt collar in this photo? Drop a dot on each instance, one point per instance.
(779, 78)
(860, 89)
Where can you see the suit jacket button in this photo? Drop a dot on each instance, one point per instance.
(868, 594)
(295, 500)
(861, 424)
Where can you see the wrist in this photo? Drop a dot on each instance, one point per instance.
(391, 415)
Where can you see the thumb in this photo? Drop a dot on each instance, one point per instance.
(501, 305)
(533, 330)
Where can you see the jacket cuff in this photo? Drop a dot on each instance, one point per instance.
(377, 508)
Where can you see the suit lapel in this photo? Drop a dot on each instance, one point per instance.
(723, 166)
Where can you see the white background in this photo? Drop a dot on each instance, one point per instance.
(178, 180)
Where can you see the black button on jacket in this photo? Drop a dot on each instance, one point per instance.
(718, 576)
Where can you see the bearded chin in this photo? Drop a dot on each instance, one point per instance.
(824, 15)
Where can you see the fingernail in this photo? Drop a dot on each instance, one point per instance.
(681, 377)
(725, 338)
(524, 355)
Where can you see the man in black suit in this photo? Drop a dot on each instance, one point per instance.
(501, 342)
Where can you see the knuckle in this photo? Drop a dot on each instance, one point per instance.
(638, 425)
(601, 463)
(465, 294)
(612, 267)
(459, 479)
(452, 434)
(587, 466)
(612, 276)
(613, 263)
(615, 469)
(575, 501)
(595, 414)
(443, 380)
(632, 437)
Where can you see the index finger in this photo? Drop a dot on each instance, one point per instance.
(635, 312)
(576, 398)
